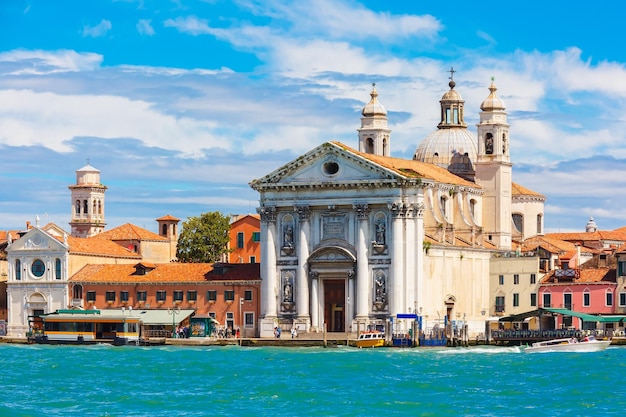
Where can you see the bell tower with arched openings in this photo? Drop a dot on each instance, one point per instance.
(374, 135)
(87, 203)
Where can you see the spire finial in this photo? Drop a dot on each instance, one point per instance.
(451, 84)
(87, 161)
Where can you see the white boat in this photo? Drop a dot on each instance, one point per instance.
(588, 344)
(371, 339)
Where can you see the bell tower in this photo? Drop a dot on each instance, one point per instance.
(494, 170)
(87, 203)
(374, 135)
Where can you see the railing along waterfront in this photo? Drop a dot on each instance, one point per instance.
(523, 336)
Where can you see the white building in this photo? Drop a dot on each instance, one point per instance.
(353, 238)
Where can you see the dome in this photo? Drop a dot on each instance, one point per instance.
(374, 108)
(591, 226)
(492, 102)
(454, 149)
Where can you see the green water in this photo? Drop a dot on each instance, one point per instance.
(104, 380)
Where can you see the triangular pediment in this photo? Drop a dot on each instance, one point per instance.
(329, 163)
(36, 240)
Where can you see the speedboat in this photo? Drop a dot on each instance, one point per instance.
(588, 344)
(371, 339)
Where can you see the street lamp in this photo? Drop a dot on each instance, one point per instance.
(174, 312)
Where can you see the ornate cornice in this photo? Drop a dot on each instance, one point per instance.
(267, 213)
(362, 211)
(304, 212)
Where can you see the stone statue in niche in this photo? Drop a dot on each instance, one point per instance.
(381, 292)
(288, 291)
(380, 232)
(288, 239)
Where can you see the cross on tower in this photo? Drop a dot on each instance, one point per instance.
(452, 71)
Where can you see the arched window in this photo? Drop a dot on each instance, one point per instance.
(518, 221)
(77, 292)
(472, 207)
(504, 144)
(57, 268)
(442, 203)
(164, 230)
(385, 146)
(86, 207)
(18, 269)
(369, 147)
(539, 224)
(94, 209)
(489, 144)
(77, 206)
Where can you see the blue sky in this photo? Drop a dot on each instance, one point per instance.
(180, 104)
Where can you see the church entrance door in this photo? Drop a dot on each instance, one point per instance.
(334, 305)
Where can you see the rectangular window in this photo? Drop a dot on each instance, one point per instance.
(516, 279)
(621, 268)
(110, 296)
(178, 295)
(211, 295)
(161, 295)
(547, 299)
(533, 300)
(515, 300)
(229, 295)
(609, 299)
(142, 296)
(586, 299)
(533, 278)
(192, 295)
(124, 296)
(622, 299)
(500, 304)
(253, 259)
(91, 296)
(57, 268)
(256, 236)
(248, 320)
(212, 314)
(247, 295)
(501, 280)
(567, 300)
(240, 240)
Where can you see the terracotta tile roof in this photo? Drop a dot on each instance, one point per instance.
(92, 246)
(548, 243)
(590, 271)
(412, 169)
(129, 232)
(165, 273)
(168, 217)
(239, 217)
(4, 235)
(517, 189)
(599, 235)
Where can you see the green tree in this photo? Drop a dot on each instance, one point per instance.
(204, 238)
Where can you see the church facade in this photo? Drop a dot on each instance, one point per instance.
(357, 238)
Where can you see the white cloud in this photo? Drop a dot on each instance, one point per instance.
(97, 31)
(144, 27)
(30, 118)
(47, 62)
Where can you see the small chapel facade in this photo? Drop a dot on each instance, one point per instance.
(357, 238)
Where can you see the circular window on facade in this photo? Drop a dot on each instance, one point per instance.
(38, 268)
(330, 168)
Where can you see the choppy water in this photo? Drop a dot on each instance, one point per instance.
(202, 381)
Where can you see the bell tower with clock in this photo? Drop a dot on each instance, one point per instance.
(87, 203)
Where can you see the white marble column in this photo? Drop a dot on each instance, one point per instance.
(419, 256)
(362, 271)
(269, 285)
(396, 279)
(315, 302)
(302, 285)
